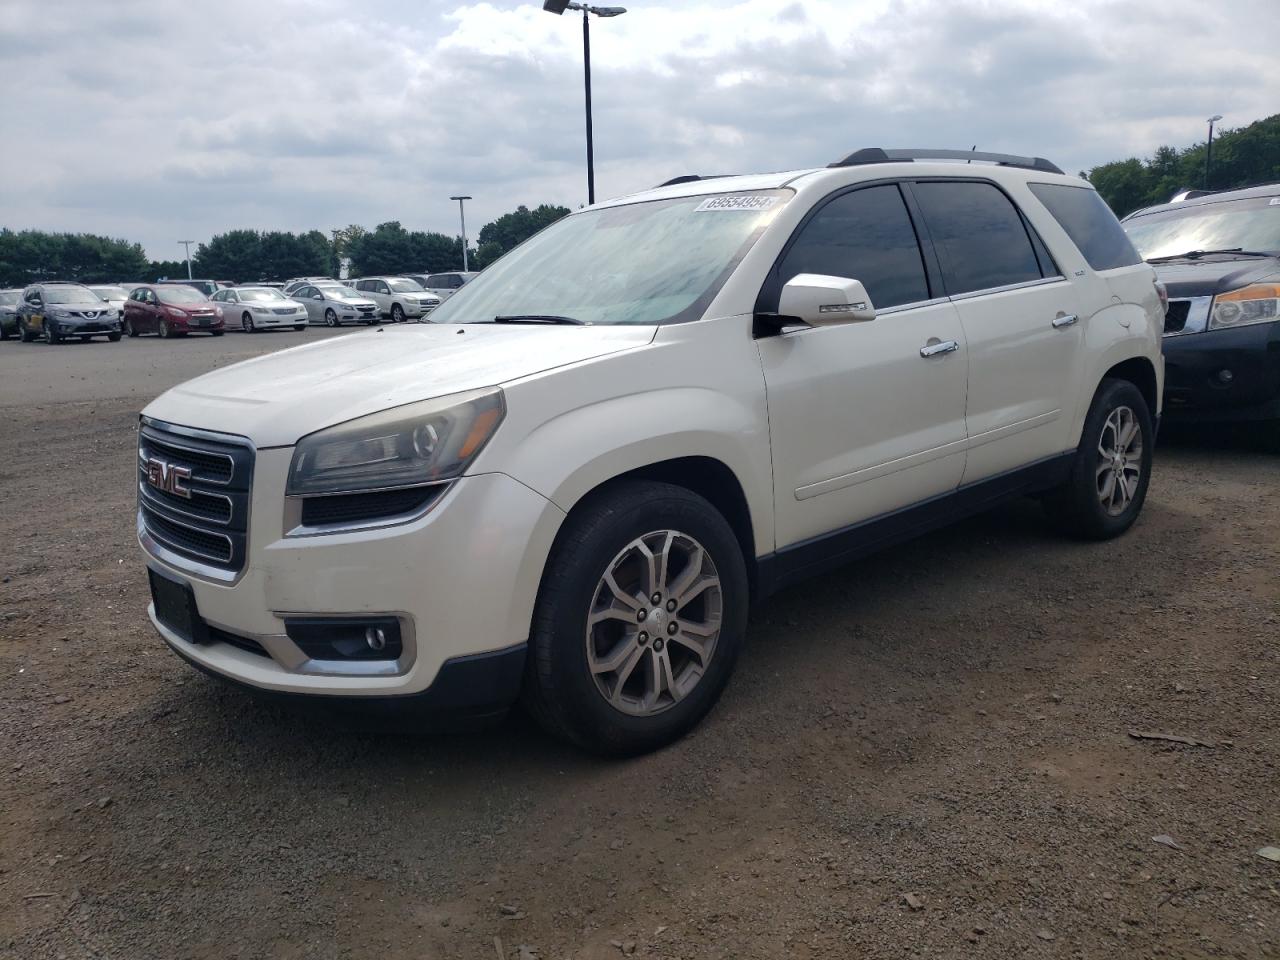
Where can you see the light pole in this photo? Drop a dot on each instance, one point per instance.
(1208, 150)
(463, 214)
(558, 7)
(187, 244)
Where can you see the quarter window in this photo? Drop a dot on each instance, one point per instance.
(1089, 223)
(864, 235)
(979, 236)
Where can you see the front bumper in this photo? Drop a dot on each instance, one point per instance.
(462, 581)
(84, 328)
(1223, 375)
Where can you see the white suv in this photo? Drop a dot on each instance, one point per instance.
(568, 487)
(398, 298)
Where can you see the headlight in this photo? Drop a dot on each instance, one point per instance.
(1256, 303)
(403, 447)
(176, 312)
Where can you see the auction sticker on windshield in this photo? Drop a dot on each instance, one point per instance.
(736, 203)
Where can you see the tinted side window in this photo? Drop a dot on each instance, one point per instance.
(864, 235)
(979, 236)
(1089, 223)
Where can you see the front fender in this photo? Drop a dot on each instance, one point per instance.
(567, 456)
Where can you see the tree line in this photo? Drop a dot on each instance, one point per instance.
(1241, 157)
(29, 256)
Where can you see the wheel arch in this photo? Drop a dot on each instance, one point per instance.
(1141, 372)
(708, 477)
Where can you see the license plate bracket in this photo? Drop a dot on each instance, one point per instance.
(175, 604)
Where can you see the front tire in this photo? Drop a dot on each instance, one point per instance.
(51, 336)
(299, 327)
(639, 621)
(331, 318)
(165, 331)
(129, 331)
(1107, 486)
(397, 313)
(113, 337)
(246, 323)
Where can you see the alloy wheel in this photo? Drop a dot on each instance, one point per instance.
(1119, 467)
(654, 621)
(246, 322)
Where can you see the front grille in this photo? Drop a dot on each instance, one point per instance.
(361, 507)
(284, 311)
(211, 526)
(1175, 317)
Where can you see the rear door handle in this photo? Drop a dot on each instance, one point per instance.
(1065, 320)
(937, 347)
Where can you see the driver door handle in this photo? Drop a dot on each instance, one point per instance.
(1065, 320)
(937, 347)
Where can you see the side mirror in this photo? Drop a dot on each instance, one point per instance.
(822, 301)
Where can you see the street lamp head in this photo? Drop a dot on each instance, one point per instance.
(1216, 118)
(460, 198)
(608, 11)
(555, 6)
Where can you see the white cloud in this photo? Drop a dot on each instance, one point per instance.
(151, 120)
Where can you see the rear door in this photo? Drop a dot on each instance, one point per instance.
(1021, 321)
(861, 422)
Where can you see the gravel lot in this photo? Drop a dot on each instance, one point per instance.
(924, 754)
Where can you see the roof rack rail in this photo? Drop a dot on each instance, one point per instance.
(693, 177)
(880, 155)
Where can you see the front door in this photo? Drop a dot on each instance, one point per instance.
(864, 418)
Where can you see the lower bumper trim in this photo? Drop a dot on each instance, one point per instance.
(475, 687)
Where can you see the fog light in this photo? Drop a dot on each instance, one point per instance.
(1225, 376)
(346, 638)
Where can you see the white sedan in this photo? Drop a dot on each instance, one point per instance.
(258, 308)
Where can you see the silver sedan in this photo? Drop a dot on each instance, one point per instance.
(333, 304)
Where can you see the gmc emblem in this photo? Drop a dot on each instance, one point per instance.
(168, 477)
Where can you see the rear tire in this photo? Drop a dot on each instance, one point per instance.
(660, 688)
(1107, 485)
(4, 332)
(217, 333)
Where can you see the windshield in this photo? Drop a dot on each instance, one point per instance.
(9, 297)
(404, 286)
(1252, 224)
(260, 293)
(335, 290)
(111, 293)
(660, 261)
(181, 294)
(70, 294)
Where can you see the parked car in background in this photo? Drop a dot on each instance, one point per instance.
(1218, 254)
(330, 303)
(444, 285)
(398, 298)
(61, 311)
(259, 308)
(207, 287)
(571, 484)
(170, 310)
(295, 282)
(115, 296)
(9, 313)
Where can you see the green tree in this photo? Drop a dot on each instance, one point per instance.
(514, 228)
(234, 255)
(171, 269)
(27, 256)
(1241, 157)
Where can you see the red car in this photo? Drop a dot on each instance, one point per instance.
(170, 310)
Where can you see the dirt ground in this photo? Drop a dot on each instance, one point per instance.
(925, 754)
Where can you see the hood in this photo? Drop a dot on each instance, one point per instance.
(277, 398)
(83, 306)
(1214, 275)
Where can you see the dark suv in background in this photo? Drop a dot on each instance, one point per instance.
(59, 311)
(1219, 256)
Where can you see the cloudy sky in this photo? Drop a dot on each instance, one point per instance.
(158, 121)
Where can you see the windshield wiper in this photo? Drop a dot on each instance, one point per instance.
(1197, 254)
(538, 318)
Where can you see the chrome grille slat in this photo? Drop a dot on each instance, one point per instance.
(211, 526)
